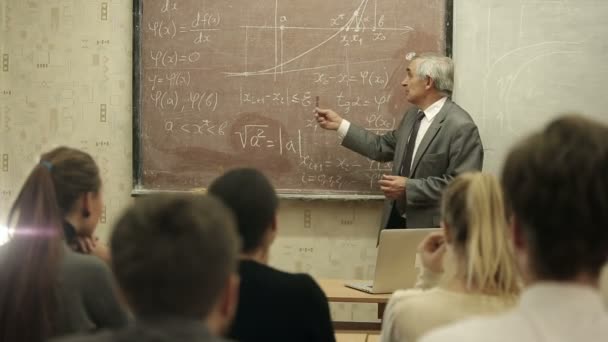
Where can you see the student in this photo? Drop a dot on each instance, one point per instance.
(47, 289)
(273, 305)
(556, 187)
(482, 277)
(175, 260)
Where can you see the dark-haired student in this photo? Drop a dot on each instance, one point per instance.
(46, 288)
(273, 305)
(175, 260)
(556, 187)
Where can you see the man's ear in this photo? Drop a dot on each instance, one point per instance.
(517, 233)
(220, 318)
(429, 83)
(230, 300)
(87, 199)
(274, 226)
(274, 223)
(521, 249)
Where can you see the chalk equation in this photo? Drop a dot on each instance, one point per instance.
(330, 181)
(201, 127)
(172, 80)
(306, 99)
(191, 101)
(366, 78)
(380, 122)
(286, 98)
(240, 83)
(164, 58)
(200, 27)
(263, 136)
(332, 173)
(358, 101)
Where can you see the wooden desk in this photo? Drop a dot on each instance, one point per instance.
(336, 292)
(373, 338)
(351, 337)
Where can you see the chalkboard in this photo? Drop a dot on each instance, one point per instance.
(224, 84)
(520, 64)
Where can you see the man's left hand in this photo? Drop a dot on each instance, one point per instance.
(392, 186)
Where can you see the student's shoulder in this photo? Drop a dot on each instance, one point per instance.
(414, 301)
(477, 329)
(84, 267)
(298, 282)
(307, 284)
(82, 261)
(281, 283)
(416, 295)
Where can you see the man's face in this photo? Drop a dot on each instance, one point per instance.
(415, 87)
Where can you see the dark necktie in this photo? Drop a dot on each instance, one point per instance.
(409, 151)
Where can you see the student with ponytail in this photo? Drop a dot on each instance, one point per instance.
(480, 274)
(47, 289)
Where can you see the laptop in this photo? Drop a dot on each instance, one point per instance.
(396, 261)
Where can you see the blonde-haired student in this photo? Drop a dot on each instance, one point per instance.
(480, 273)
(554, 183)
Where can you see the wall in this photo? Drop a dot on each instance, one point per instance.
(520, 63)
(66, 80)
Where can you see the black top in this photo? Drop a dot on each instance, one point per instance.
(166, 329)
(71, 237)
(69, 232)
(279, 306)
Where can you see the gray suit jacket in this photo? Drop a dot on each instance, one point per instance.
(450, 146)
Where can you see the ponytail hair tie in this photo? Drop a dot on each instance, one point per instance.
(47, 164)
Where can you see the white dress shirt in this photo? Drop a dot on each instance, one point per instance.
(429, 115)
(547, 312)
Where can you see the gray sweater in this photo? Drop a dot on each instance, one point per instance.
(86, 294)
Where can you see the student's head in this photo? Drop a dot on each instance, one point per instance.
(254, 202)
(556, 186)
(77, 184)
(65, 182)
(428, 75)
(475, 228)
(176, 256)
(66, 179)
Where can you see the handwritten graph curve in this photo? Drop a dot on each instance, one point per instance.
(356, 18)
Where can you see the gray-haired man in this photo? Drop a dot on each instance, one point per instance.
(435, 141)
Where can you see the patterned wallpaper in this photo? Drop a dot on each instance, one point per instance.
(65, 79)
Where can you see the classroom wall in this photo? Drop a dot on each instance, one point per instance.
(68, 82)
(65, 79)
